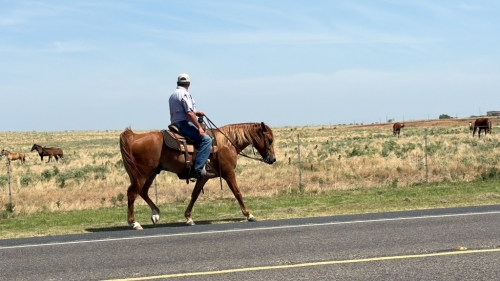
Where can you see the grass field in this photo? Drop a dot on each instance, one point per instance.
(336, 160)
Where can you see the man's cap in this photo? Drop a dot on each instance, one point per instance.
(183, 77)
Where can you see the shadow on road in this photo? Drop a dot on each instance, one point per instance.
(161, 225)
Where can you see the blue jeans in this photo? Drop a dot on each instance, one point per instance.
(203, 144)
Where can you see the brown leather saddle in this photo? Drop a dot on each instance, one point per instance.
(173, 139)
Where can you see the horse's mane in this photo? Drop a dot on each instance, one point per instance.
(240, 134)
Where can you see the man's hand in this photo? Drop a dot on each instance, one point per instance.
(200, 113)
(194, 120)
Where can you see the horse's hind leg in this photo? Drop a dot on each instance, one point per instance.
(233, 185)
(131, 196)
(155, 212)
(194, 196)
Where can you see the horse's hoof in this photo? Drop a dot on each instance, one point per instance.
(251, 218)
(190, 222)
(155, 219)
(136, 226)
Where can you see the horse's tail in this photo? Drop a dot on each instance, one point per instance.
(126, 140)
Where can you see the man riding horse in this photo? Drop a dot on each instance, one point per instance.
(183, 115)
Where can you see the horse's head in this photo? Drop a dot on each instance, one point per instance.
(35, 147)
(402, 125)
(470, 126)
(265, 144)
(3, 152)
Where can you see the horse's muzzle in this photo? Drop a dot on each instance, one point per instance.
(270, 160)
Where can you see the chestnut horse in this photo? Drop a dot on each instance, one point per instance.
(14, 156)
(48, 151)
(145, 155)
(396, 128)
(481, 124)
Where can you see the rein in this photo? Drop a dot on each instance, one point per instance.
(240, 152)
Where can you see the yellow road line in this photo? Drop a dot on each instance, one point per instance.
(304, 265)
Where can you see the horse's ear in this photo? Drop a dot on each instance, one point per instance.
(263, 126)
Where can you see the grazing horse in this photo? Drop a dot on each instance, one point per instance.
(396, 128)
(145, 155)
(14, 156)
(482, 124)
(48, 151)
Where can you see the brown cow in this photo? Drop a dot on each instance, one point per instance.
(396, 128)
(481, 124)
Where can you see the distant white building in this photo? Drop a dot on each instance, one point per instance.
(493, 113)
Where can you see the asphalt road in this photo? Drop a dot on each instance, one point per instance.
(413, 245)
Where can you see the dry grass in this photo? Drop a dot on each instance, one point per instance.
(333, 158)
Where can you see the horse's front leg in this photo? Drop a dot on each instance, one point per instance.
(194, 196)
(155, 212)
(233, 185)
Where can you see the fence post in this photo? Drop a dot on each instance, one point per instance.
(8, 179)
(300, 171)
(426, 165)
(156, 192)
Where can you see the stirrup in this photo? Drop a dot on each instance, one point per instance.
(207, 174)
(207, 166)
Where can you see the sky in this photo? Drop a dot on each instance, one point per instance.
(107, 65)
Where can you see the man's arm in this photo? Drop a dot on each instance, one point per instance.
(192, 117)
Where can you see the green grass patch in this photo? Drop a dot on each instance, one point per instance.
(291, 204)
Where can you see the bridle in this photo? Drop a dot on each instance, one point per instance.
(267, 159)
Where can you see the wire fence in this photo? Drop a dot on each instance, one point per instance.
(310, 158)
(431, 155)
